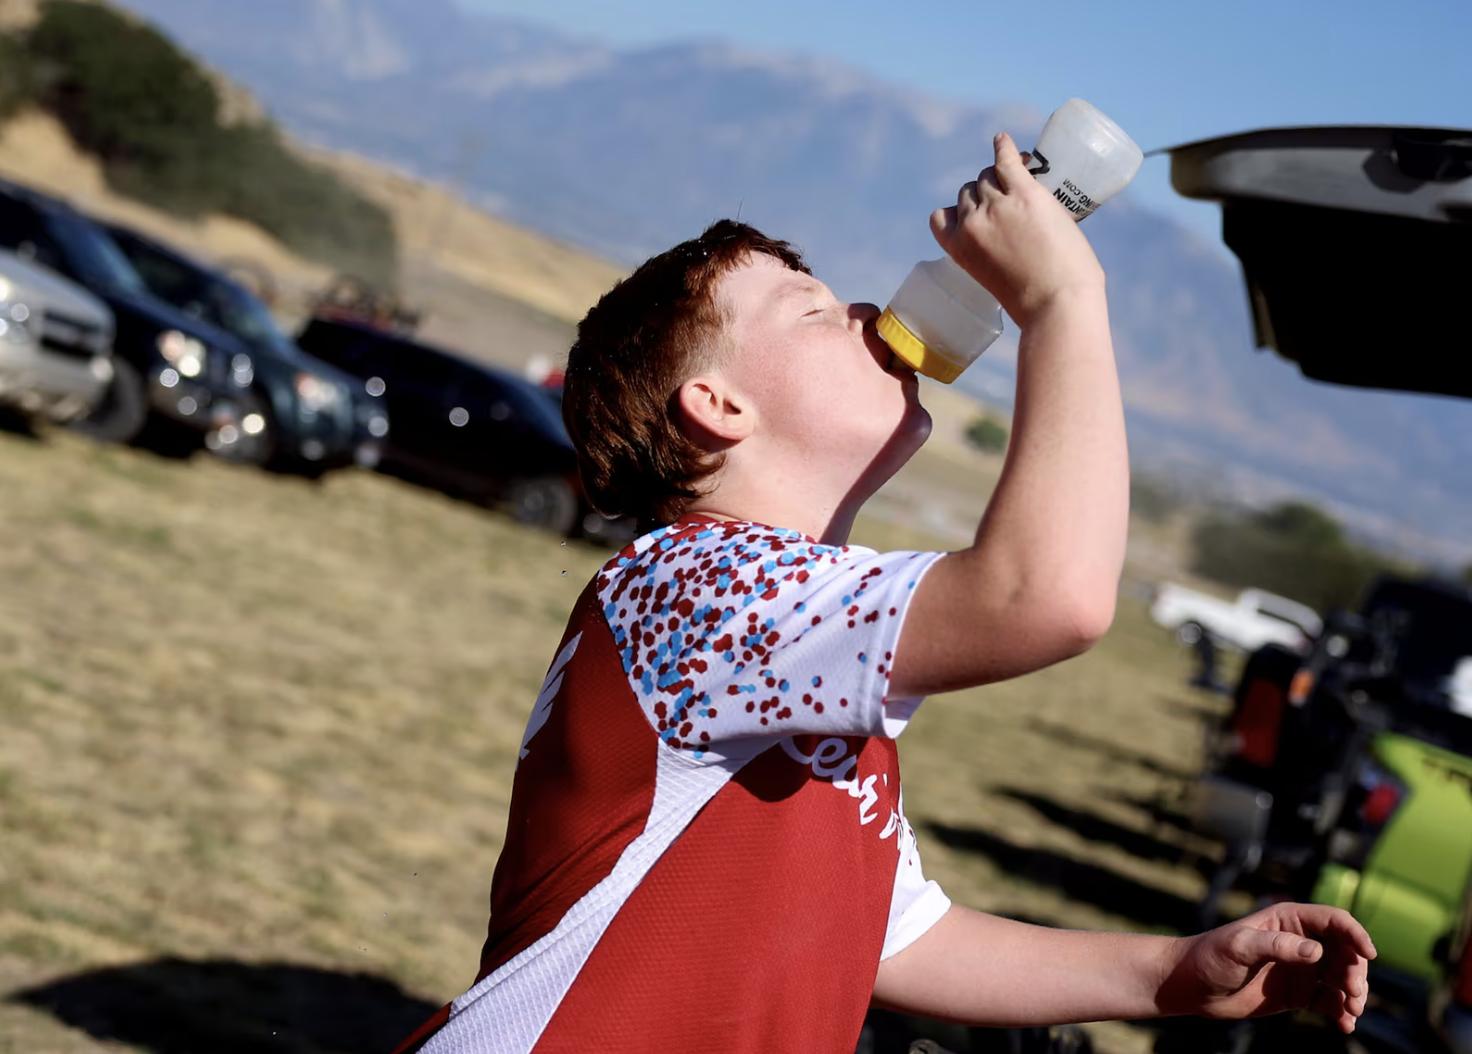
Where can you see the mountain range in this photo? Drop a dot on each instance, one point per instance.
(626, 151)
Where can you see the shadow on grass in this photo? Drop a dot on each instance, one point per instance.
(1059, 733)
(179, 1006)
(15, 423)
(1087, 883)
(1206, 714)
(1161, 814)
(1098, 829)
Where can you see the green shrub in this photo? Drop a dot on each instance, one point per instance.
(15, 76)
(151, 115)
(987, 434)
(1152, 499)
(1293, 549)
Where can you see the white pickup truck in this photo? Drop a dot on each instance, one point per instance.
(1255, 618)
(55, 342)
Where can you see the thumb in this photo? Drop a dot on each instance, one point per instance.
(943, 224)
(1010, 168)
(1251, 947)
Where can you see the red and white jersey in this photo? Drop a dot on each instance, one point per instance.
(706, 847)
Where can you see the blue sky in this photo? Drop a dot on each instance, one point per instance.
(1168, 72)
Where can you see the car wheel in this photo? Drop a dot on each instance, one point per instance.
(122, 412)
(548, 502)
(1190, 633)
(246, 434)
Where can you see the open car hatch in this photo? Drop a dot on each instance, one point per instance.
(1357, 247)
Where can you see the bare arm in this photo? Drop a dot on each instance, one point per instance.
(984, 970)
(1038, 584)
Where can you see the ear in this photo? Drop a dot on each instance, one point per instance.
(716, 415)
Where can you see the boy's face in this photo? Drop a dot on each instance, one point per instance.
(819, 375)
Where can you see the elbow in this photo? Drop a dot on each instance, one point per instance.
(1086, 618)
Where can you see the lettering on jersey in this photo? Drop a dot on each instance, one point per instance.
(542, 708)
(831, 759)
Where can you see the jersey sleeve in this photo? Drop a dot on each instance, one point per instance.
(916, 904)
(732, 635)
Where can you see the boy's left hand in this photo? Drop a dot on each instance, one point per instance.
(1284, 957)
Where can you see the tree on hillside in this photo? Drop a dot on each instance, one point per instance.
(152, 115)
(1295, 549)
(1302, 522)
(123, 91)
(15, 76)
(987, 434)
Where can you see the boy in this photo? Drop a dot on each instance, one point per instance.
(706, 847)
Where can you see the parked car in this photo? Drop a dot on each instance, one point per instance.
(1255, 618)
(55, 343)
(172, 373)
(297, 413)
(464, 426)
(1345, 777)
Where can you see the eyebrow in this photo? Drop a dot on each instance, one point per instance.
(794, 288)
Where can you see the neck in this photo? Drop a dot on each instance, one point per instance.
(829, 519)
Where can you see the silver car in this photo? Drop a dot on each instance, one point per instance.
(55, 342)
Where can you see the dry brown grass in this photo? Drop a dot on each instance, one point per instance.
(249, 720)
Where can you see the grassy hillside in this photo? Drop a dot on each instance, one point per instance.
(259, 733)
(166, 134)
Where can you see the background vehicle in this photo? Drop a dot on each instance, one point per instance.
(55, 342)
(297, 413)
(463, 426)
(171, 373)
(1326, 220)
(1346, 776)
(1255, 618)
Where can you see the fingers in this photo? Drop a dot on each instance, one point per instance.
(1330, 1003)
(1253, 947)
(1350, 975)
(1010, 168)
(943, 225)
(1335, 925)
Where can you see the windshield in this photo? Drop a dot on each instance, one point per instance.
(93, 255)
(236, 311)
(540, 407)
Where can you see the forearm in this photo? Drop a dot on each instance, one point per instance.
(1059, 514)
(985, 970)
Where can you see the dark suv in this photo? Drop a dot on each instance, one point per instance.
(298, 413)
(466, 427)
(172, 373)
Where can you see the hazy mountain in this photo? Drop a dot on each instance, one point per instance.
(627, 151)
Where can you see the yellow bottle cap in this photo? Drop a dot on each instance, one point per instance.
(913, 351)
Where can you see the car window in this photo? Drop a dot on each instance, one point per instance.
(1279, 617)
(163, 276)
(91, 255)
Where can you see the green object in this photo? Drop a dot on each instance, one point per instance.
(1409, 893)
(988, 435)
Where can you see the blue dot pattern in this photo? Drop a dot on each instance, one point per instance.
(733, 633)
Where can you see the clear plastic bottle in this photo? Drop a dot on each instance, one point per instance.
(942, 319)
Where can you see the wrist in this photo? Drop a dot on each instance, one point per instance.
(1173, 995)
(1074, 299)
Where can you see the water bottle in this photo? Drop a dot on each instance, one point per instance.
(942, 319)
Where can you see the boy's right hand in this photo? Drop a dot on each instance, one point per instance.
(1010, 234)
